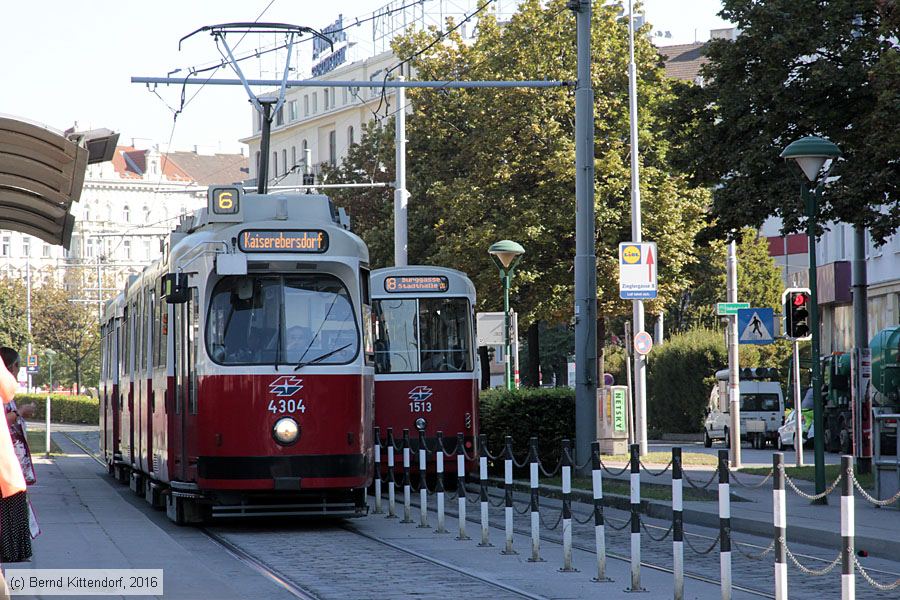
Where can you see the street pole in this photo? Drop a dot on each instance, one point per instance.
(401, 196)
(585, 250)
(798, 413)
(640, 363)
(862, 409)
(734, 380)
(507, 351)
(811, 199)
(27, 313)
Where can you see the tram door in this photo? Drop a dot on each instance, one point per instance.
(186, 327)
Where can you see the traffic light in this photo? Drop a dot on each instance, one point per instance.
(796, 313)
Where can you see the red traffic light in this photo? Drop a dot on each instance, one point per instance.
(800, 299)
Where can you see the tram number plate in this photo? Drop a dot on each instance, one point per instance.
(419, 406)
(280, 407)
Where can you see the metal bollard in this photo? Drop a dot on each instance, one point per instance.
(378, 471)
(724, 525)
(677, 524)
(848, 527)
(567, 507)
(461, 485)
(407, 488)
(635, 519)
(599, 526)
(47, 431)
(439, 482)
(482, 480)
(535, 506)
(423, 484)
(392, 484)
(508, 497)
(780, 521)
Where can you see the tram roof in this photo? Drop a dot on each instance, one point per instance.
(420, 281)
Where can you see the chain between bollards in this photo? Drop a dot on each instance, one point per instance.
(567, 506)
(439, 483)
(599, 525)
(677, 524)
(461, 485)
(392, 484)
(724, 526)
(508, 497)
(407, 487)
(423, 483)
(779, 516)
(378, 510)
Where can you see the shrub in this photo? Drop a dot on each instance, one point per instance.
(548, 413)
(678, 380)
(63, 409)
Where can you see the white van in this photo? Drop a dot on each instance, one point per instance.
(762, 408)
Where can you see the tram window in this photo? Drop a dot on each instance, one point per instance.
(284, 320)
(396, 336)
(368, 336)
(163, 335)
(445, 333)
(126, 347)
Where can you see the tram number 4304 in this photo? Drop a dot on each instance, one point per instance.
(277, 407)
(419, 406)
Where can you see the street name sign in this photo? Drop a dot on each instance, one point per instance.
(730, 308)
(637, 270)
(756, 326)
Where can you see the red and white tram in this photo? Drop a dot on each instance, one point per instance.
(425, 365)
(238, 370)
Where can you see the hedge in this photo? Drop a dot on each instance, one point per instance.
(63, 409)
(548, 413)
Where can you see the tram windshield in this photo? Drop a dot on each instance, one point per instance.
(428, 335)
(287, 319)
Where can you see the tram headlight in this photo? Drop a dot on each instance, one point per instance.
(286, 431)
(420, 424)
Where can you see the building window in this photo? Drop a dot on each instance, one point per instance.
(46, 251)
(87, 212)
(89, 248)
(315, 107)
(275, 164)
(146, 215)
(303, 148)
(325, 93)
(350, 136)
(292, 110)
(126, 246)
(279, 115)
(26, 246)
(306, 106)
(344, 93)
(284, 161)
(332, 148)
(126, 214)
(147, 249)
(4, 247)
(294, 155)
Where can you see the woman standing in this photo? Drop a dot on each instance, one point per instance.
(15, 532)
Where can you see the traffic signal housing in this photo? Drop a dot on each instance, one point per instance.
(796, 303)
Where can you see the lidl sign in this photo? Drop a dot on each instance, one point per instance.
(637, 270)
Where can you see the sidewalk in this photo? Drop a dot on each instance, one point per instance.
(90, 522)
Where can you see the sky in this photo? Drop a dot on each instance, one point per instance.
(66, 63)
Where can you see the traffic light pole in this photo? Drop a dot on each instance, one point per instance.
(811, 198)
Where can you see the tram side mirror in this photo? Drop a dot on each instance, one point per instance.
(175, 288)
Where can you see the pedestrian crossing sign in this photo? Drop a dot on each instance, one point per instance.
(756, 325)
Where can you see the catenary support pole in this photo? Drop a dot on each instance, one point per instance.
(635, 461)
(378, 510)
(461, 485)
(535, 498)
(848, 527)
(567, 506)
(392, 484)
(439, 483)
(862, 430)
(780, 521)
(401, 196)
(482, 490)
(677, 524)
(724, 525)
(508, 496)
(423, 484)
(599, 525)
(734, 382)
(407, 487)
(585, 252)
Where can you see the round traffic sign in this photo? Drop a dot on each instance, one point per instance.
(642, 342)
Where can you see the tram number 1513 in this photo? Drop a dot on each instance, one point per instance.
(278, 407)
(419, 406)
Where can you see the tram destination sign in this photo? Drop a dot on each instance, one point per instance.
(267, 240)
(416, 283)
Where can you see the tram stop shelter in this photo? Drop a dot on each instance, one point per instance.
(42, 173)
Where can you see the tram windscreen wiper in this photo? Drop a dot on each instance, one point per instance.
(321, 357)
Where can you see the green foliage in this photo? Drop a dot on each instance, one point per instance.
(13, 324)
(63, 409)
(548, 413)
(799, 67)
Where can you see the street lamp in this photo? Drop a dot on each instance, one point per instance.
(506, 255)
(811, 153)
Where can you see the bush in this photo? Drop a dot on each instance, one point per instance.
(548, 413)
(678, 380)
(63, 409)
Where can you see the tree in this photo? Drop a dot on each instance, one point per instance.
(13, 323)
(69, 328)
(799, 67)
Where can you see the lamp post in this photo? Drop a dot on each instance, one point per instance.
(506, 255)
(811, 153)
